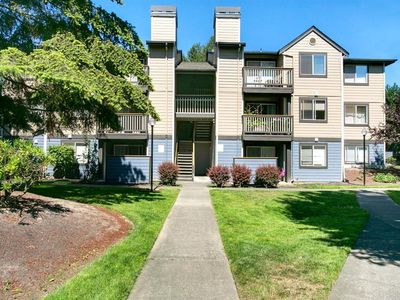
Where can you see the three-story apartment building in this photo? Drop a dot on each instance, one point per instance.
(301, 107)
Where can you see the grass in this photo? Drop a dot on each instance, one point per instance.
(395, 195)
(112, 275)
(344, 186)
(287, 244)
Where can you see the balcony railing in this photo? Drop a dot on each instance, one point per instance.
(131, 123)
(195, 105)
(267, 124)
(274, 79)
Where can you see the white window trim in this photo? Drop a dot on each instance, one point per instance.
(355, 111)
(313, 165)
(356, 149)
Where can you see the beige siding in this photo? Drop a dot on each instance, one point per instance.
(372, 94)
(162, 73)
(163, 28)
(329, 87)
(227, 30)
(229, 92)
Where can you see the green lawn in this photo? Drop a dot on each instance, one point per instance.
(395, 195)
(113, 274)
(287, 244)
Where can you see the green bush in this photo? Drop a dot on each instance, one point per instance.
(22, 165)
(391, 160)
(64, 162)
(387, 178)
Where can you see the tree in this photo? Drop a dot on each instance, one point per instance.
(198, 52)
(73, 79)
(390, 131)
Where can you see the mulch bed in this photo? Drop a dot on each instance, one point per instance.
(50, 242)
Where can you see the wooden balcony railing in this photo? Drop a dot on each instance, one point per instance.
(267, 124)
(195, 105)
(264, 77)
(131, 123)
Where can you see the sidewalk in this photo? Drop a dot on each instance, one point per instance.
(372, 270)
(188, 260)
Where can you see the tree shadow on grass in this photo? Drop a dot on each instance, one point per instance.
(103, 195)
(336, 214)
(345, 224)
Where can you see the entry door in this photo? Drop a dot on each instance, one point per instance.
(202, 158)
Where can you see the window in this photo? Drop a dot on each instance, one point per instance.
(81, 152)
(261, 63)
(355, 154)
(313, 156)
(121, 150)
(260, 151)
(313, 109)
(356, 74)
(313, 64)
(356, 114)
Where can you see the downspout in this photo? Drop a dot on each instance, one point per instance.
(343, 175)
(166, 102)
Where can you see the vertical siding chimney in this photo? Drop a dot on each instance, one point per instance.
(163, 23)
(227, 24)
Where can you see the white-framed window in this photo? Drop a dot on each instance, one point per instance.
(313, 109)
(122, 150)
(261, 63)
(356, 74)
(312, 64)
(80, 150)
(356, 114)
(355, 154)
(261, 151)
(313, 156)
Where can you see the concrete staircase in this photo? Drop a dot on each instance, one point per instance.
(185, 160)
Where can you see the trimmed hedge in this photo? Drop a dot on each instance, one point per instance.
(219, 175)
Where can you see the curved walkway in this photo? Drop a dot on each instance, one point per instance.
(188, 260)
(372, 270)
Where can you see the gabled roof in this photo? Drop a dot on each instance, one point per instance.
(318, 32)
(202, 66)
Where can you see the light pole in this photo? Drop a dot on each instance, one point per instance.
(152, 122)
(364, 133)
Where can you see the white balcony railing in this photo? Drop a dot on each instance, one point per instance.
(131, 123)
(267, 124)
(263, 77)
(196, 105)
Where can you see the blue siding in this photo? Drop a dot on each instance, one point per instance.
(376, 155)
(330, 174)
(232, 148)
(127, 169)
(160, 157)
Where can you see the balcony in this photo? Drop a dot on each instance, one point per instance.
(133, 126)
(195, 106)
(267, 80)
(267, 127)
(135, 81)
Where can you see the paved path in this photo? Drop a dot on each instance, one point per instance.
(372, 270)
(188, 260)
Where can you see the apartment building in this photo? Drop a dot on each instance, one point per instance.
(301, 107)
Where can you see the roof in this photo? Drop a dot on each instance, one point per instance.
(261, 52)
(202, 66)
(371, 61)
(318, 32)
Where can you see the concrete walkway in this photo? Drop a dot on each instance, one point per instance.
(188, 260)
(372, 270)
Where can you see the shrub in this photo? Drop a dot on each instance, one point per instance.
(391, 160)
(387, 178)
(22, 165)
(241, 175)
(267, 176)
(219, 175)
(64, 162)
(168, 172)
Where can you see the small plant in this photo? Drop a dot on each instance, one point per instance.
(241, 175)
(267, 176)
(386, 178)
(168, 172)
(64, 162)
(219, 175)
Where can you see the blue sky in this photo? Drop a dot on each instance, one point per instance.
(365, 28)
